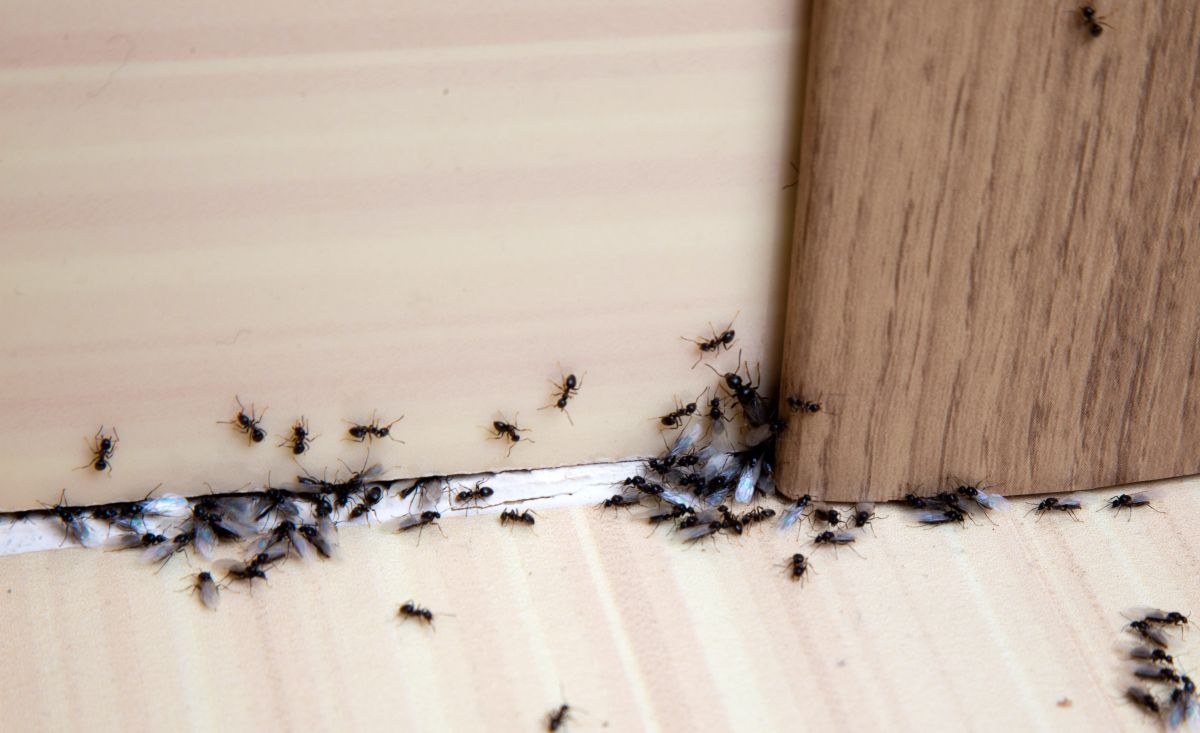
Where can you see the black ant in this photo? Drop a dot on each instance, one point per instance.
(669, 516)
(1129, 501)
(729, 521)
(1094, 22)
(75, 526)
(249, 572)
(359, 433)
(321, 505)
(1158, 674)
(833, 539)
(661, 466)
(502, 429)
(108, 512)
(1070, 506)
(674, 418)
(425, 491)
(300, 438)
(475, 494)
(568, 388)
(864, 514)
(1158, 656)
(716, 416)
(799, 566)
(944, 516)
(555, 719)
(756, 515)
(426, 517)
(746, 394)
(361, 509)
(1165, 618)
(517, 517)
(1149, 633)
(412, 610)
(799, 404)
(103, 448)
(617, 501)
(317, 538)
(828, 515)
(283, 533)
(714, 344)
(248, 424)
(209, 593)
(1143, 699)
(277, 501)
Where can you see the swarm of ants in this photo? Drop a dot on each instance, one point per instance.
(708, 483)
(1159, 687)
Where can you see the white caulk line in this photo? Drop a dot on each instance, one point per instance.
(543, 488)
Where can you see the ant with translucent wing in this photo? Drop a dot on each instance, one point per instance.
(1053, 503)
(1130, 502)
(754, 407)
(717, 342)
(833, 539)
(102, 447)
(420, 521)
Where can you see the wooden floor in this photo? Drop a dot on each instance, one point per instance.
(986, 628)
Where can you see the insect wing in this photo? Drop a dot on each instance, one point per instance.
(991, 501)
(790, 516)
(161, 551)
(687, 438)
(409, 521)
(677, 498)
(747, 481)
(1184, 713)
(299, 544)
(205, 541)
(210, 596)
(79, 529)
(167, 505)
(933, 517)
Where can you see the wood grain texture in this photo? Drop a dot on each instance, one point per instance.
(980, 629)
(997, 248)
(421, 210)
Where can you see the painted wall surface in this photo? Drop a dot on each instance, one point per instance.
(330, 210)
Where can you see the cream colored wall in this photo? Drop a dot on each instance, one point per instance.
(330, 209)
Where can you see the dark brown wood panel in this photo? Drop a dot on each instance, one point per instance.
(996, 272)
